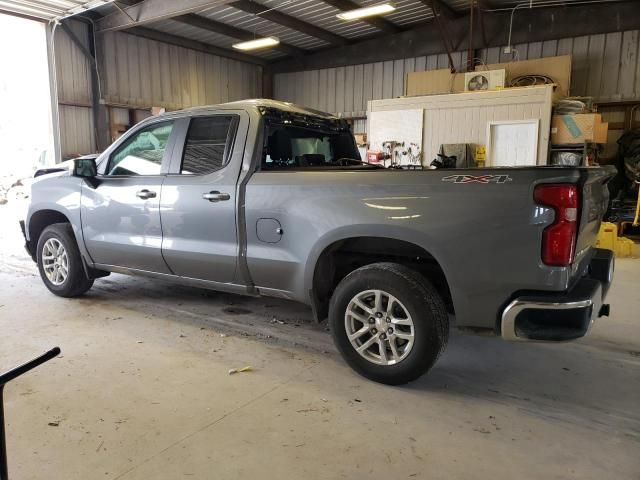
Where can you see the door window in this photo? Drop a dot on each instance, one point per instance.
(142, 153)
(206, 147)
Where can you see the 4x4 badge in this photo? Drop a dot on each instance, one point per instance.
(477, 179)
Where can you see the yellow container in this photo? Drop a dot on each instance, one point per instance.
(607, 236)
(624, 247)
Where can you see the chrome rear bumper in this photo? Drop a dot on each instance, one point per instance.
(563, 316)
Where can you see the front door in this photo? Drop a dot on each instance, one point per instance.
(121, 216)
(198, 202)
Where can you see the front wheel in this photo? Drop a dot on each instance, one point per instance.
(388, 322)
(59, 262)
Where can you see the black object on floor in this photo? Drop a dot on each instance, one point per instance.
(4, 379)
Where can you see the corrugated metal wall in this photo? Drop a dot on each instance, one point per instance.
(140, 73)
(144, 73)
(360, 125)
(604, 66)
(73, 80)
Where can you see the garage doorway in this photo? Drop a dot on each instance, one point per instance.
(26, 130)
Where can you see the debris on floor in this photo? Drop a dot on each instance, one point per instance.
(248, 368)
(237, 311)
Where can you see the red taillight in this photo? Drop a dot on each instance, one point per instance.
(559, 238)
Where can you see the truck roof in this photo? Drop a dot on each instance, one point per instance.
(263, 102)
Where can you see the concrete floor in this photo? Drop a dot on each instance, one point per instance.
(141, 391)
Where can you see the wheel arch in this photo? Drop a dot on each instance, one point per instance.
(336, 255)
(38, 221)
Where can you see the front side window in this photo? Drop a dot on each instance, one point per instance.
(205, 150)
(293, 147)
(142, 153)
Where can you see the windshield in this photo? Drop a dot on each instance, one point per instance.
(293, 147)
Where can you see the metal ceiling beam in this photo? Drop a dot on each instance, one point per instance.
(489, 4)
(288, 21)
(377, 22)
(442, 7)
(78, 43)
(205, 23)
(441, 22)
(529, 25)
(158, 36)
(193, 45)
(150, 11)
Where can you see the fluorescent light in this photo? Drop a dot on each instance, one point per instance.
(367, 11)
(257, 43)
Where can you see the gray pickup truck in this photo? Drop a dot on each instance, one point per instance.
(267, 198)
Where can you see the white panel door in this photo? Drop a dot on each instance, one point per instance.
(512, 143)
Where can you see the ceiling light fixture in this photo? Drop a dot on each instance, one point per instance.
(380, 9)
(257, 43)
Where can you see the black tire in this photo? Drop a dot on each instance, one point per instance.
(421, 301)
(76, 282)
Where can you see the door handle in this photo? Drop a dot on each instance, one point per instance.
(215, 196)
(145, 194)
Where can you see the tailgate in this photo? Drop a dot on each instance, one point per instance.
(594, 201)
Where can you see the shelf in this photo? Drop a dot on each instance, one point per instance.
(574, 146)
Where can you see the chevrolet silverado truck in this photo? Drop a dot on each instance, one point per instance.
(268, 198)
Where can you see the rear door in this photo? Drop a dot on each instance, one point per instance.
(198, 202)
(121, 216)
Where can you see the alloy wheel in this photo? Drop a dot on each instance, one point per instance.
(55, 261)
(379, 327)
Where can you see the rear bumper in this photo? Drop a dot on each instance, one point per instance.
(563, 316)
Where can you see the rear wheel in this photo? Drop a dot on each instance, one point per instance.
(388, 322)
(59, 262)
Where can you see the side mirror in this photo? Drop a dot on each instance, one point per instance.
(86, 168)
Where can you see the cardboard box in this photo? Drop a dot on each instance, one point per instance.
(434, 82)
(558, 68)
(361, 138)
(578, 128)
(602, 133)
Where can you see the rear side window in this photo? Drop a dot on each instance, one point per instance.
(289, 147)
(207, 146)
